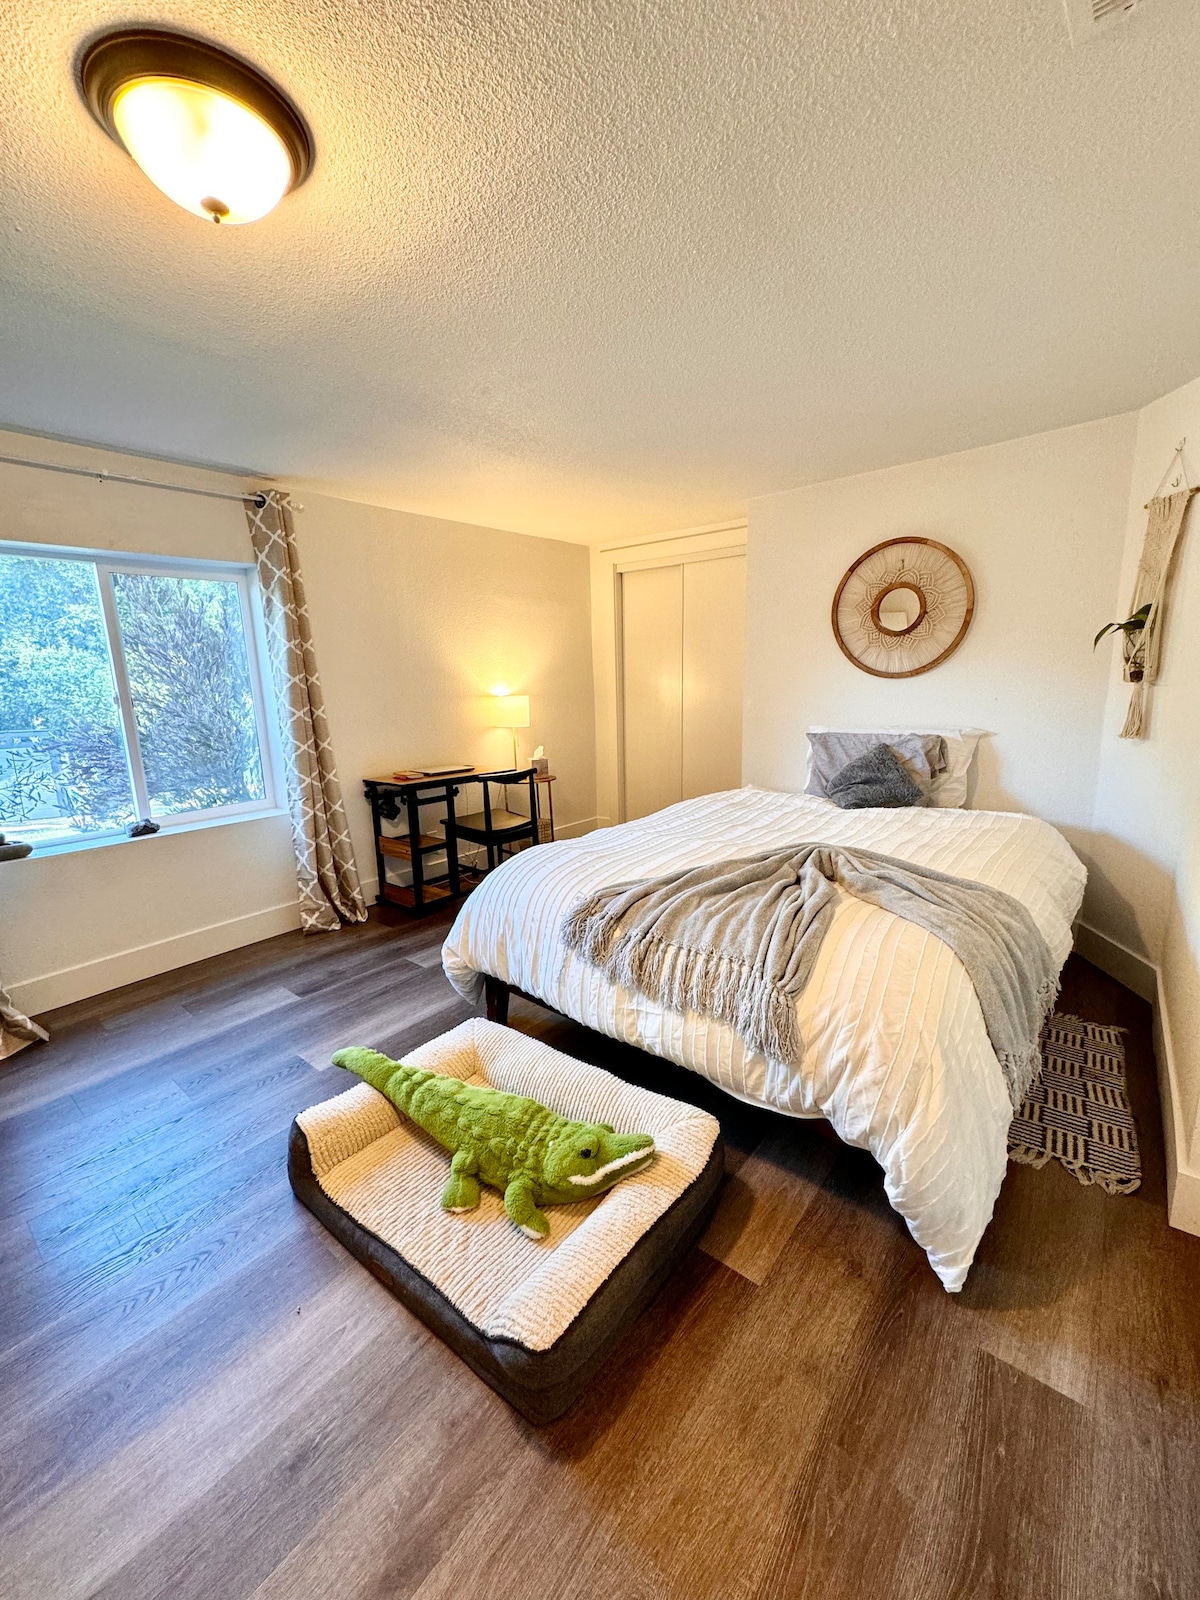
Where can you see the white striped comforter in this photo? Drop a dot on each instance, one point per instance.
(896, 1053)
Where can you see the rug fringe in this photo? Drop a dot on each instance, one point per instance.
(1027, 1156)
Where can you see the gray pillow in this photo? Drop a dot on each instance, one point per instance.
(922, 755)
(876, 779)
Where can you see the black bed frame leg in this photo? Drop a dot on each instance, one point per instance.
(495, 992)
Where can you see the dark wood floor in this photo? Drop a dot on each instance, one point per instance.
(202, 1396)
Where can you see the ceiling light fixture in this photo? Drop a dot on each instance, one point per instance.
(209, 130)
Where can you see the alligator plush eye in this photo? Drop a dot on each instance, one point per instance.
(586, 1154)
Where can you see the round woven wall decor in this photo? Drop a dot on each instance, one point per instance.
(903, 607)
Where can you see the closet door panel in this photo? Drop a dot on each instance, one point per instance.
(714, 627)
(652, 671)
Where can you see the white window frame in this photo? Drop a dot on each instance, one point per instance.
(106, 563)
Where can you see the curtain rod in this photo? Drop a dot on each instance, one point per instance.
(142, 483)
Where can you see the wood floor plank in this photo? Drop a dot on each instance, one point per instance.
(883, 1443)
(80, 1176)
(197, 1192)
(77, 1277)
(18, 1248)
(142, 1055)
(552, 1485)
(765, 1198)
(228, 1540)
(59, 1355)
(370, 966)
(257, 1067)
(429, 957)
(571, 1548)
(115, 1402)
(131, 1510)
(1016, 1514)
(140, 1189)
(35, 1081)
(1143, 1531)
(390, 1528)
(431, 1010)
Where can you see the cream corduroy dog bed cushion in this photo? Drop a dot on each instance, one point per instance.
(388, 1174)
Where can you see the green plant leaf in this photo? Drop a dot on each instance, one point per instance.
(1130, 626)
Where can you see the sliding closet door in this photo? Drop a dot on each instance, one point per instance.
(681, 650)
(652, 627)
(714, 626)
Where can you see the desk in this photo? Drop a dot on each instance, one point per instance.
(404, 796)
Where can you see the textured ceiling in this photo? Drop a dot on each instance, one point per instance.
(586, 269)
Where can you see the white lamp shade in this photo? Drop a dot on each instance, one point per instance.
(510, 711)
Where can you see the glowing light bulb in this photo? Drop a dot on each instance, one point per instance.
(211, 154)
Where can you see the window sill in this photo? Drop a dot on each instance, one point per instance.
(69, 846)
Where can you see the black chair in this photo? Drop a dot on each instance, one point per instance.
(495, 827)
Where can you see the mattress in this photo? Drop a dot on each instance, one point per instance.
(896, 1054)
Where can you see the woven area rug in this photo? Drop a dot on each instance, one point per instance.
(1077, 1109)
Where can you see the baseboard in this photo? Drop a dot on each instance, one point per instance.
(64, 987)
(1118, 960)
(1183, 1181)
(576, 830)
(1145, 979)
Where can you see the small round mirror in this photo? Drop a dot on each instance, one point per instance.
(898, 610)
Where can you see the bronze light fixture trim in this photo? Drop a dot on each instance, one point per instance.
(198, 121)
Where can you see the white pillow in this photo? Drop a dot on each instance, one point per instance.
(949, 788)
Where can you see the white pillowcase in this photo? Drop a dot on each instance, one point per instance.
(949, 787)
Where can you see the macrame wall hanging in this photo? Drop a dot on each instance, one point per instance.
(1143, 650)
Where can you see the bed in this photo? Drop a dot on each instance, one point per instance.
(896, 1056)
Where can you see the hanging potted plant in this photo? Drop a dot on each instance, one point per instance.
(1134, 630)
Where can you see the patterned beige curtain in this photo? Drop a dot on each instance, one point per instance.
(16, 1030)
(326, 875)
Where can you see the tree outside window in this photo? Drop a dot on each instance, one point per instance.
(125, 692)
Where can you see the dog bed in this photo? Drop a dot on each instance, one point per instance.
(535, 1320)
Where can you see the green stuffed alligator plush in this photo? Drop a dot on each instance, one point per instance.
(532, 1155)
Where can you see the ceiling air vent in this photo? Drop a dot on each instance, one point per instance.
(1087, 18)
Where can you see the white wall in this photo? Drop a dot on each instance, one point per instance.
(1040, 523)
(1144, 887)
(413, 619)
(416, 620)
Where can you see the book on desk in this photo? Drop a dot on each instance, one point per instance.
(455, 770)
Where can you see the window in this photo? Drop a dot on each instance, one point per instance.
(127, 689)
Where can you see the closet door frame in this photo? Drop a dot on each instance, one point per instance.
(619, 571)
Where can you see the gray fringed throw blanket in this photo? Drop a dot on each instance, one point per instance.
(737, 941)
